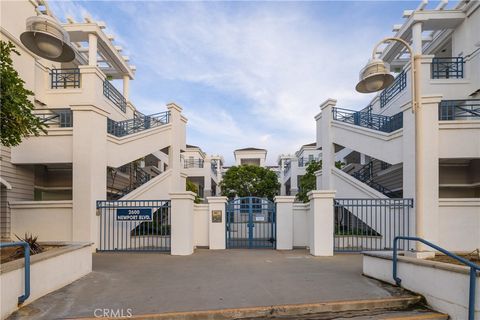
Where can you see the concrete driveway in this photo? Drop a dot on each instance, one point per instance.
(139, 283)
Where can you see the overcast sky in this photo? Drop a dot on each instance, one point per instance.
(247, 74)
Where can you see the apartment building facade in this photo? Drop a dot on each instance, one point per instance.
(378, 141)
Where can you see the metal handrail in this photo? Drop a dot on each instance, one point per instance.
(473, 269)
(369, 120)
(459, 109)
(26, 254)
(62, 118)
(65, 78)
(395, 88)
(114, 95)
(193, 163)
(130, 126)
(447, 68)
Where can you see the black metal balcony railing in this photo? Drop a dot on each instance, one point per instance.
(65, 78)
(193, 163)
(395, 88)
(127, 127)
(447, 68)
(303, 161)
(459, 109)
(369, 120)
(114, 95)
(62, 118)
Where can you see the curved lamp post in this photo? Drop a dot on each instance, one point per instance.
(375, 77)
(46, 38)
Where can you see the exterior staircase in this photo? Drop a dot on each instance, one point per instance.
(366, 174)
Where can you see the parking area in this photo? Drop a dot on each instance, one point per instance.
(146, 283)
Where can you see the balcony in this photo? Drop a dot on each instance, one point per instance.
(303, 161)
(193, 163)
(137, 124)
(459, 109)
(395, 88)
(65, 78)
(447, 68)
(369, 120)
(214, 168)
(112, 94)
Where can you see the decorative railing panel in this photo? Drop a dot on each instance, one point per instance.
(138, 124)
(447, 68)
(395, 88)
(114, 95)
(60, 118)
(65, 78)
(369, 120)
(193, 163)
(459, 109)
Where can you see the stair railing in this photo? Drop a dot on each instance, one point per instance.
(473, 269)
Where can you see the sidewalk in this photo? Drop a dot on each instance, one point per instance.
(153, 283)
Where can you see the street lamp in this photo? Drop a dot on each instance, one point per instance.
(375, 77)
(46, 38)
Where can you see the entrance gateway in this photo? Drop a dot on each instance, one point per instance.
(250, 223)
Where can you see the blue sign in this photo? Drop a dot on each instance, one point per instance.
(134, 214)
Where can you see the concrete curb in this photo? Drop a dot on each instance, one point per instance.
(283, 310)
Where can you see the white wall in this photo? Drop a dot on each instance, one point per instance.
(200, 225)
(300, 224)
(45, 276)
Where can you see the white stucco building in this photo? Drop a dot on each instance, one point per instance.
(378, 142)
(98, 144)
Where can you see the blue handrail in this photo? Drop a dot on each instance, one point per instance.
(473, 269)
(26, 251)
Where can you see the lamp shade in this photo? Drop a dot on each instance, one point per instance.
(46, 38)
(374, 77)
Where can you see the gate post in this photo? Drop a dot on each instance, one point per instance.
(321, 222)
(216, 222)
(284, 222)
(182, 223)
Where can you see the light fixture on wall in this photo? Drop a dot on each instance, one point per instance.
(46, 38)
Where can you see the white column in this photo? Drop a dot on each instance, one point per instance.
(89, 170)
(92, 49)
(326, 142)
(178, 143)
(182, 223)
(318, 179)
(284, 222)
(363, 159)
(216, 229)
(126, 87)
(321, 222)
(427, 169)
(417, 38)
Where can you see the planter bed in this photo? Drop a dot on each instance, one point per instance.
(61, 264)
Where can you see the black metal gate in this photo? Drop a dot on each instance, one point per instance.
(251, 223)
(134, 225)
(371, 224)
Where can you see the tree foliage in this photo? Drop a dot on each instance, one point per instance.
(250, 180)
(308, 182)
(193, 188)
(17, 120)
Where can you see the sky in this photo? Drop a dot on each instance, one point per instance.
(246, 73)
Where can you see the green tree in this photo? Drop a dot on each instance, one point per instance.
(17, 120)
(193, 188)
(308, 182)
(249, 180)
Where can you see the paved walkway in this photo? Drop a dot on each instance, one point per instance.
(153, 283)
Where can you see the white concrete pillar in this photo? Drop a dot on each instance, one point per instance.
(284, 222)
(92, 49)
(126, 87)
(178, 143)
(363, 159)
(216, 228)
(417, 38)
(321, 222)
(89, 170)
(182, 223)
(318, 179)
(427, 169)
(324, 133)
